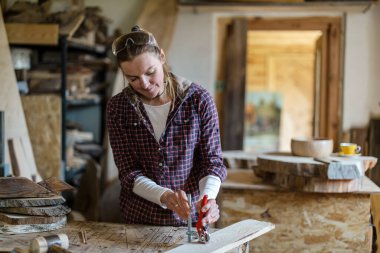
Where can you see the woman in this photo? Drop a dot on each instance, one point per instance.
(164, 134)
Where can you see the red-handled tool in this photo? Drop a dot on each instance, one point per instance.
(203, 234)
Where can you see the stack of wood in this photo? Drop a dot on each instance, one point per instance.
(88, 23)
(27, 207)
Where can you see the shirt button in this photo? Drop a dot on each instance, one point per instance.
(135, 124)
(159, 149)
(160, 164)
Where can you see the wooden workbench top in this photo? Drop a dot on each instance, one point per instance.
(112, 237)
(246, 179)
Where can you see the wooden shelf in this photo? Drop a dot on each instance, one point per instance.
(32, 34)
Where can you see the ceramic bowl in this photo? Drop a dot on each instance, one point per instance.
(312, 147)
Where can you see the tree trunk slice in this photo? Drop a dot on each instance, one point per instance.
(31, 228)
(26, 202)
(38, 211)
(21, 187)
(287, 164)
(17, 219)
(312, 184)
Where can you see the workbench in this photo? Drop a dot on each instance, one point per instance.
(113, 237)
(305, 221)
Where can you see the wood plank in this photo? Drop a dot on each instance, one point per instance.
(228, 238)
(159, 17)
(30, 202)
(10, 102)
(313, 184)
(32, 34)
(242, 179)
(284, 163)
(55, 185)
(305, 222)
(31, 228)
(17, 219)
(50, 211)
(19, 161)
(45, 131)
(234, 92)
(20, 187)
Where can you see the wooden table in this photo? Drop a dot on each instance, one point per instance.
(112, 237)
(305, 221)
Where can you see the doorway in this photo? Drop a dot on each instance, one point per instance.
(295, 64)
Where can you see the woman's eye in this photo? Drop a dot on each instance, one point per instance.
(151, 72)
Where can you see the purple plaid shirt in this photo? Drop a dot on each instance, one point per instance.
(188, 150)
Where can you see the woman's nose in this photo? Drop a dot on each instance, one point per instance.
(144, 82)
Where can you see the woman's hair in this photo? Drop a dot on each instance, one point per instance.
(138, 41)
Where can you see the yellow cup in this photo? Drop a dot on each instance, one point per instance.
(349, 149)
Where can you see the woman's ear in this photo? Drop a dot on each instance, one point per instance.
(162, 56)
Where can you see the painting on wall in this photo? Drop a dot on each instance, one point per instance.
(262, 121)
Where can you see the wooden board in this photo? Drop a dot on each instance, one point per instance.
(10, 102)
(245, 179)
(305, 222)
(19, 161)
(20, 187)
(17, 219)
(50, 211)
(113, 237)
(159, 17)
(312, 184)
(30, 202)
(45, 131)
(228, 238)
(284, 163)
(31, 228)
(32, 34)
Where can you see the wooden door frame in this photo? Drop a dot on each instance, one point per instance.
(329, 112)
(330, 95)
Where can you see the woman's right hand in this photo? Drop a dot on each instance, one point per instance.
(176, 201)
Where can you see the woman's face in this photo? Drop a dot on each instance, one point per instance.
(145, 74)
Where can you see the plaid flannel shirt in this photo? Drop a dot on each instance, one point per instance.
(188, 150)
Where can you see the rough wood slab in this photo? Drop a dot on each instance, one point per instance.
(228, 238)
(312, 184)
(284, 163)
(25, 202)
(21, 187)
(242, 179)
(38, 211)
(31, 228)
(53, 184)
(17, 219)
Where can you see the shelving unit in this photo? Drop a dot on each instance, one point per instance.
(64, 44)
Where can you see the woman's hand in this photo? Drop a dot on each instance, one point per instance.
(211, 210)
(177, 202)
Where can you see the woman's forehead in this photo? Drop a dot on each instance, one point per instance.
(140, 64)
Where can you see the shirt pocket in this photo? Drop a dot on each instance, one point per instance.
(185, 130)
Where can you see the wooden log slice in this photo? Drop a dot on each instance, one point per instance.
(31, 228)
(38, 211)
(25, 202)
(311, 184)
(21, 187)
(18, 219)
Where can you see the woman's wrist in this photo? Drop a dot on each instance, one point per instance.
(164, 197)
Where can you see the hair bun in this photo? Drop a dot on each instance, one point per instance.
(136, 28)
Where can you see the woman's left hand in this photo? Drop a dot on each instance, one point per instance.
(211, 210)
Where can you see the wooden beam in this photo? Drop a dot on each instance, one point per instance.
(159, 17)
(10, 102)
(350, 7)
